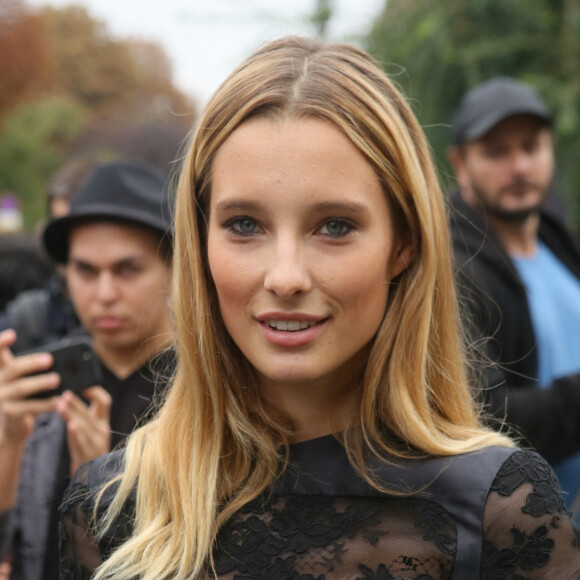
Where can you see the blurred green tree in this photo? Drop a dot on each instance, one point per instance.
(90, 93)
(33, 145)
(438, 49)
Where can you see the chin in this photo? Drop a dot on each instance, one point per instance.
(516, 215)
(116, 340)
(291, 376)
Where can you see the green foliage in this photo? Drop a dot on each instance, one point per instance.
(438, 49)
(34, 140)
(70, 89)
(321, 16)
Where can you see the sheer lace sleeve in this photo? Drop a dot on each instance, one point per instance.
(81, 552)
(527, 533)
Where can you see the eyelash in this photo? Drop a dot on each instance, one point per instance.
(233, 226)
(347, 225)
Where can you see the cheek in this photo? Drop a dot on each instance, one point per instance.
(80, 294)
(369, 296)
(360, 284)
(77, 289)
(230, 277)
(152, 290)
(484, 171)
(483, 168)
(547, 165)
(156, 291)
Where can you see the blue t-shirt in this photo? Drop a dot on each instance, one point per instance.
(554, 301)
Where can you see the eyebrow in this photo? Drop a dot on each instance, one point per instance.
(118, 263)
(333, 206)
(235, 204)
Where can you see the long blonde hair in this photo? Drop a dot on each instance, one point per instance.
(215, 444)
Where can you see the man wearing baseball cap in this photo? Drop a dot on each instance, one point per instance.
(519, 269)
(116, 248)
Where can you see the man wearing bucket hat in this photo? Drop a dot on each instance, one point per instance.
(115, 245)
(519, 269)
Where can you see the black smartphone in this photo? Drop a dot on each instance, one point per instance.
(75, 362)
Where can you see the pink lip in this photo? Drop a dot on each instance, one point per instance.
(294, 338)
(108, 322)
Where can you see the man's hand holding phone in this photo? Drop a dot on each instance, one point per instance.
(17, 412)
(20, 379)
(64, 380)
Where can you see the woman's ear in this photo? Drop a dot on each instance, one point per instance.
(402, 254)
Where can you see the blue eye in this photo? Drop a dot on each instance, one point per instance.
(242, 225)
(336, 228)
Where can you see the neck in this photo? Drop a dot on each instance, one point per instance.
(518, 234)
(316, 409)
(519, 238)
(123, 361)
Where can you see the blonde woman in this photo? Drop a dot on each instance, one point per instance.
(320, 423)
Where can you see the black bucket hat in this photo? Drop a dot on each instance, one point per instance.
(489, 103)
(133, 192)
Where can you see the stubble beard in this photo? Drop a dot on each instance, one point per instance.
(512, 216)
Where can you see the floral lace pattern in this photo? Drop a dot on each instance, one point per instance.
(531, 548)
(315, 537)
(526, 534)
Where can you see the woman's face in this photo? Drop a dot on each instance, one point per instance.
(301, 250)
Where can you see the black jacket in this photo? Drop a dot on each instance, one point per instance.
(496, 314)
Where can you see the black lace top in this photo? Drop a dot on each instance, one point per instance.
(495, 514)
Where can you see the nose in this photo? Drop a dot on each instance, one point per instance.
(521, 162)
(106, 288)
(287, 272)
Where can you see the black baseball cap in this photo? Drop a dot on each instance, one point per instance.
(489, 103)
(133, 192)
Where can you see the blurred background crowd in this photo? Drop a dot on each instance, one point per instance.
(73, 93)
(76, 94)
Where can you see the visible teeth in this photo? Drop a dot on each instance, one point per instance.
(289, 325)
